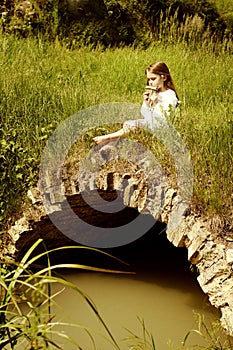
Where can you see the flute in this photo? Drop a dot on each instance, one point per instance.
(152, 94)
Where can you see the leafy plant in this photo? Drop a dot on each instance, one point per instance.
(112, 22)
(144, 342)
(14, 159)
(24, 18)
(210, 334)
(27, 300)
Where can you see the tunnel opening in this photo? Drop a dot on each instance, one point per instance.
(149, 253)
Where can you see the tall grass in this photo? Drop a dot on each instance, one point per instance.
(27, 300)
(42, 84)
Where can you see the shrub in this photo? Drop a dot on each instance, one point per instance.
(26, 18)
(109, 22)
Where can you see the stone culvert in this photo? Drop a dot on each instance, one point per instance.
(207, 249)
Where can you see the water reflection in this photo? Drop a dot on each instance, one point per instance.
(163, 291)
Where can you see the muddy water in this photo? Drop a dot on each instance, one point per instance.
(163, 292)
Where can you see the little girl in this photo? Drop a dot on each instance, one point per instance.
(159, 100)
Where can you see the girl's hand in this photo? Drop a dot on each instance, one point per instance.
(146, 97)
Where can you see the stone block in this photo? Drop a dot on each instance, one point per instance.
(178, 236)
(229, 256)
(204, 254)
(227, 319)
(214, 285)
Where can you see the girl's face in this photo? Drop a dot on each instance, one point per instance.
(156, 80)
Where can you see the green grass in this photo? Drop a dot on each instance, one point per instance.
(42, 84)
(27, 301)
(224, 6)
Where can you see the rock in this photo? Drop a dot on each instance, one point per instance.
(149, 194)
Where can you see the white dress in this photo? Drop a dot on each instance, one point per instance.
(155, 117)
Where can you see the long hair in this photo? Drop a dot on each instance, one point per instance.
(162, 69)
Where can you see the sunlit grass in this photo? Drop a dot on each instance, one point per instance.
(42, 84)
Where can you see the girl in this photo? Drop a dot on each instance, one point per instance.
(159, 100)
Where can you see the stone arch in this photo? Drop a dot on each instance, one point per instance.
(212, 255)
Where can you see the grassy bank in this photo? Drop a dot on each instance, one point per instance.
(43, 84)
